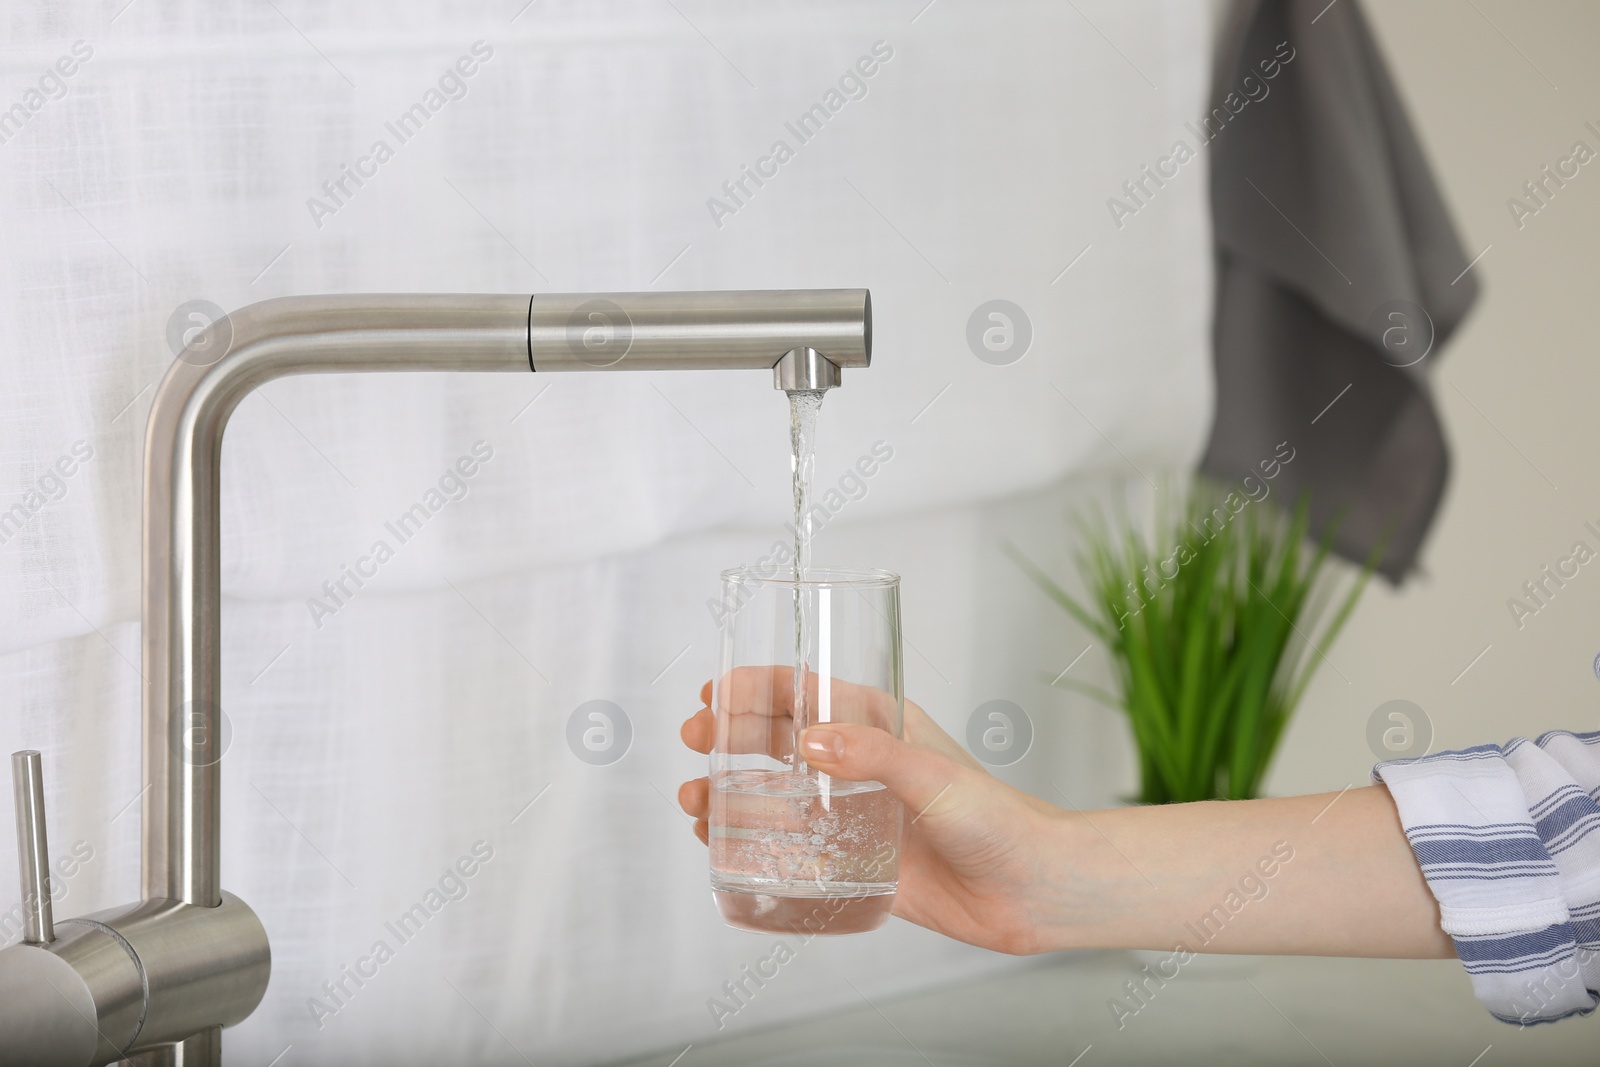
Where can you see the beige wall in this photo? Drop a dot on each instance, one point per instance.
(1517, 391)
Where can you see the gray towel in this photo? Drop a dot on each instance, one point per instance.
(1339, 277)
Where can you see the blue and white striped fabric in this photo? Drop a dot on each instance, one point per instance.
(1509, 840)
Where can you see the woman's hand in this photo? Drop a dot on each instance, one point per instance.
(978, 854)
(987, 864)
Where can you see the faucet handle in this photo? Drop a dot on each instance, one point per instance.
(33, 850)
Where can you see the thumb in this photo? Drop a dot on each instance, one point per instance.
(920, 777)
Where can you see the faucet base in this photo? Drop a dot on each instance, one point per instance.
(133, 979)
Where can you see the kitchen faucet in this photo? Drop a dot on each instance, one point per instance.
(155, 982)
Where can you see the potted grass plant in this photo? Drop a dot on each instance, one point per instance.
(1214, 627)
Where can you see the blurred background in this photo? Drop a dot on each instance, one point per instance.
(193, 159)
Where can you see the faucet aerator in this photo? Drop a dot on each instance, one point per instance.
(805, 370)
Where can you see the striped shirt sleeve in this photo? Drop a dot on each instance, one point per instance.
(1508, 837)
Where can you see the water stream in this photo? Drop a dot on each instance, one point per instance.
(803, 407)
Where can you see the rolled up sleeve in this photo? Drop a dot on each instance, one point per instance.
(1508, 838)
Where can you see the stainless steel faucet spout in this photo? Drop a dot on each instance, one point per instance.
(299, 335)
(182, 519)
(697, 331)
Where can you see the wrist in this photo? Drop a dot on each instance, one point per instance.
(1089, 894)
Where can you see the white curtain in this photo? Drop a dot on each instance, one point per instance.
(154, 153)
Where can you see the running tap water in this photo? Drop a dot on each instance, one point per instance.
(804, 404)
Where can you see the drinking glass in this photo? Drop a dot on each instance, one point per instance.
(794, 850)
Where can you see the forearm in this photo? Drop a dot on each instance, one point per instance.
(1328, 875)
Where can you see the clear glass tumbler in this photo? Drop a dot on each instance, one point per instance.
(794, 850)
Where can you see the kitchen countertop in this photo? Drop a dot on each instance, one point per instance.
(1218, 1010)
